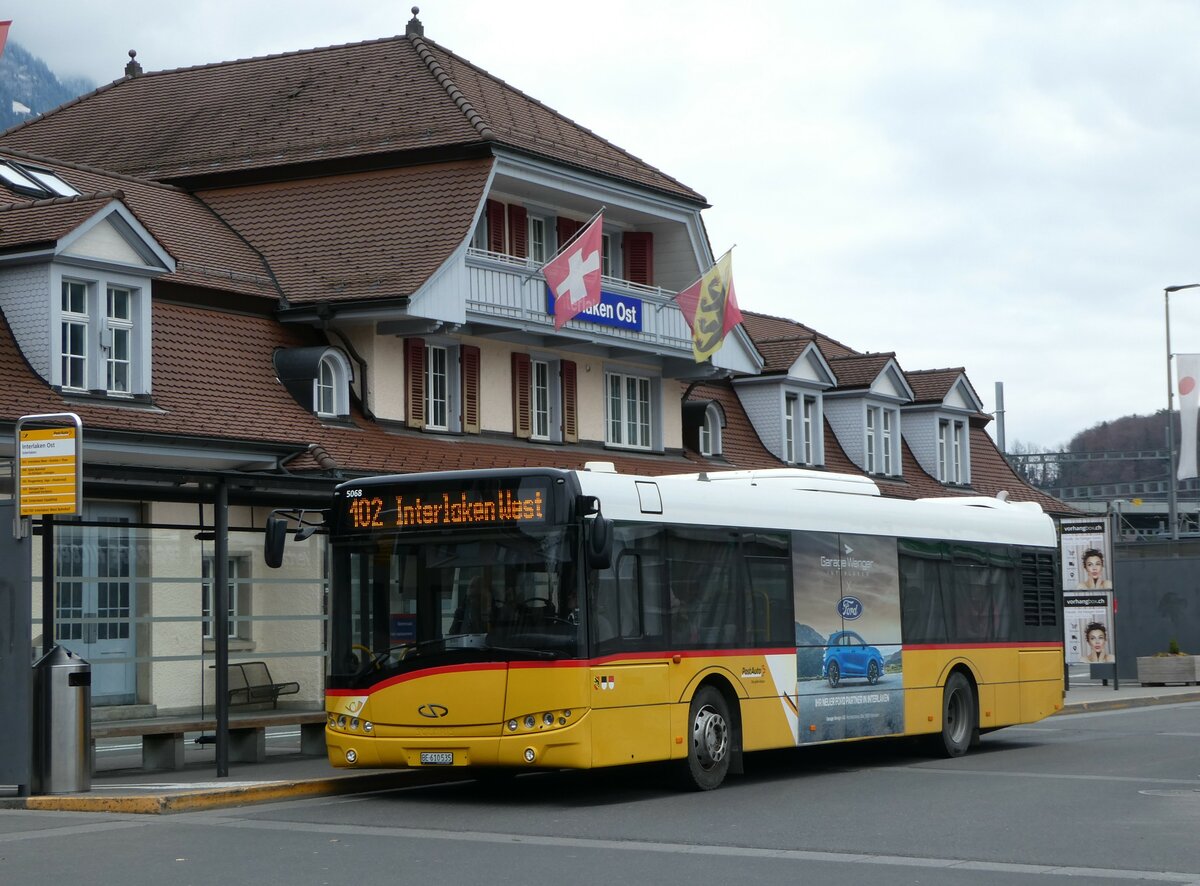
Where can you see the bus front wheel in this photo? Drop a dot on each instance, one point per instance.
(960, 713)
(710, 741)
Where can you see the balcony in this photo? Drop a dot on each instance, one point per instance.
(510, 293)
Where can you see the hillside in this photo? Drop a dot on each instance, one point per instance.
(29, 88)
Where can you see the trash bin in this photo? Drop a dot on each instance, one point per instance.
(62, 723)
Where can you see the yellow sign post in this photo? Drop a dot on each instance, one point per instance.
(49, 465)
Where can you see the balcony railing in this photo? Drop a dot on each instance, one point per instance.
(513, 291)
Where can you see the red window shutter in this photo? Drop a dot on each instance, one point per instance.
(638, 248)
(414, 383)
(566, 229)
(522, 411)
(469, 358)
(495, 226)
(570, 402)
(518, 230)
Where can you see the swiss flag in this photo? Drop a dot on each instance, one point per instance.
(574, 274)
(4, 26)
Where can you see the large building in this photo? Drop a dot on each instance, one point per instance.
(254, 279)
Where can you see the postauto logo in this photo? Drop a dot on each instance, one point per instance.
(850, 608)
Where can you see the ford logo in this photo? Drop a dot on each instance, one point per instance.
(433, 711)
(850, 608)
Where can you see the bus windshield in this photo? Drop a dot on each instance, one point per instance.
(402, 603)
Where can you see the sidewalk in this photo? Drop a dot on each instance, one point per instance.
(292, 776)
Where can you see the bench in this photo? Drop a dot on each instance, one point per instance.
(163, 745)
(250, 683)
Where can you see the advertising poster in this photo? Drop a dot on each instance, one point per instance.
(1088, 619)
(849, 679)
(1085, 555)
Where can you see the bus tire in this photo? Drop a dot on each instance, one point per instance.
(960, 713)
(710, 744)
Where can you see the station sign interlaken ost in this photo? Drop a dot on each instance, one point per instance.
(48, 468)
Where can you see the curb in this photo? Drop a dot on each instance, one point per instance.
(212, 798)
(1116, 704)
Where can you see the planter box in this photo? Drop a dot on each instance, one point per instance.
(1157, 670)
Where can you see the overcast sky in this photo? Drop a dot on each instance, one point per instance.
(1003, 186)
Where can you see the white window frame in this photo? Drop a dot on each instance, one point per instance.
(790, 425)
(952, 451)
(882, 452)
(640, 430)
(119, 337)
(331, 386)
(73, 320)
(537, 239)
(710, 441)
(437, 387)
(107, 343)
(540, 394)
(238, 574)
(810, 422)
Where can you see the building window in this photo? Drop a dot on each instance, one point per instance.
(789, 429)
(239, 598)
(441, 386)
(540, 399)
(952, 447)
(629, 411)
(437, 388)
(326, 399)
(810, 424)
(537, 240)
(882, 441)
(74, 335)
(710, 431)
(606, 255)
(119, 339)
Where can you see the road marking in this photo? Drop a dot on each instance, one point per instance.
(58, 833)
(749, 852)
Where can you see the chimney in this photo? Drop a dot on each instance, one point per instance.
(133, 69)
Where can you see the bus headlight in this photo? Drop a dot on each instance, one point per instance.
(512, 725)
(529, 721)
(368, 726)
(547, 719)
(530, 755)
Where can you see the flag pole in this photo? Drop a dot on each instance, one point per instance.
(564, 246)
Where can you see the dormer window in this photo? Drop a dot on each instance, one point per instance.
(331, 394)
(102, 337)
(710, 431)
(318, 378)
(952, 447)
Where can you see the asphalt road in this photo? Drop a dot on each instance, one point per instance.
(1102, 798)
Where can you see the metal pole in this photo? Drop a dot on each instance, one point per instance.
(48, 583)
(220, 598)
(1172, 524)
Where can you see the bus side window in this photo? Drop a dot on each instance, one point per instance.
(769, 606)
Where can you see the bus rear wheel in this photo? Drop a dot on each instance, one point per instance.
(960, 713)
(710, 742)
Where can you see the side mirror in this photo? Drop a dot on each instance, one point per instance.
(276, 535)
(597, 542)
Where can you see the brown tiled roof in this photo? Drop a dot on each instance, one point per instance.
(780, 353)
(860, 370)
(27, 224)
(368, 235)
(740, 445)
(932, 385)
(764, 327)
(380, 97)
(208, 254)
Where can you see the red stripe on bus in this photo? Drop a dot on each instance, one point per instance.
(942, 647)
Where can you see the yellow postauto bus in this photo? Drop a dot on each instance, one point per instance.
(545, 618)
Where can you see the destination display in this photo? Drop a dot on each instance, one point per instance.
(456, 507)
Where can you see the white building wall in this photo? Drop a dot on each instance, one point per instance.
(25, 300)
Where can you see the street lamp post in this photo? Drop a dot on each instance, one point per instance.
(1172, 517)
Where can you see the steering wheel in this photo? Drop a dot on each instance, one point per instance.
(532, 603)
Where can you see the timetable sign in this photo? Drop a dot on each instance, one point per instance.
(48, 467)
